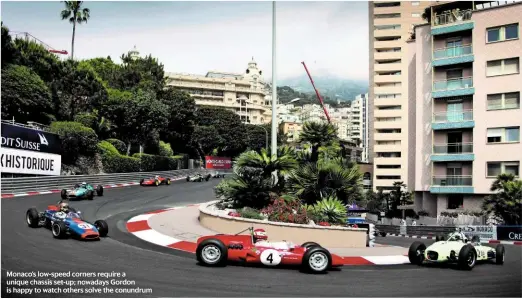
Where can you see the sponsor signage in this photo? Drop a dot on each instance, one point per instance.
(30, 151)
(509, 233)
(26, 139)
(213, 162)
(30, 162)
(484, 232)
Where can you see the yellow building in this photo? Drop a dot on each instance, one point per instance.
(291, 130)
(244, 94)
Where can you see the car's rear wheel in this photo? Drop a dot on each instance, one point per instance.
(188, 178)
(500, 254)
(467, 257)
(102, 227)
(32, 218)
(212, 252)
(63, 194)
(316, 260)
(416, 253)
(59, 230)
(141, 182)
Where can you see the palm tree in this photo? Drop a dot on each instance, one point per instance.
(76, 15)
(506, 202)
(318, 134)
(283, 163)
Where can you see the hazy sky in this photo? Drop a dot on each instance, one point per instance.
(195, 37)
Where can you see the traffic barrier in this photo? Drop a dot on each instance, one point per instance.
(25, 184)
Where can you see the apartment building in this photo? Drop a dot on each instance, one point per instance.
(358, 124)
(291, 130)
(465, 82)
(243, 93)
(390, 139)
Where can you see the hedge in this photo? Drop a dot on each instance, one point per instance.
(76, 138)
(157, 163)
(118, 144)
(114, 162)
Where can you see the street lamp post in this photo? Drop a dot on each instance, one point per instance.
(266, 136)
(274, 83)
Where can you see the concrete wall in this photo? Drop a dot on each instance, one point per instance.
(485, 119)
(329, 237)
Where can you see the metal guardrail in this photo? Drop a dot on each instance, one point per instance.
(419, 230)
(25, 184)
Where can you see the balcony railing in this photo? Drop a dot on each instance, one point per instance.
(452, 52)
(453, 180)
(450, 17)
(452, 116)
(452, 84)
(453, 148)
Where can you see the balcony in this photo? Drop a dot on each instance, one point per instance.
(452, 21)
(453, 55)
(452, 184)
(387, 67)
(450, 152)
(448, 120)
(453, 87)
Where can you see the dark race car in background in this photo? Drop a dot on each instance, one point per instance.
(81, 191)
(198, 177)
(66, 224)
(155, 181)
(217, 174)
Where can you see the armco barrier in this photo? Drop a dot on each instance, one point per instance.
(19, 185)
(422, 230)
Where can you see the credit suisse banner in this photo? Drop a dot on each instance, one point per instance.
(509, 233)
(29, 151)
(213, 162)
(484, 232)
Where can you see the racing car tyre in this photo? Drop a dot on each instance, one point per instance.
(207, 177)
(168, 181)
(63, 194)
(316, 260)
(99, 190)
(90, 195)
(307, 245)
(102, 227)
(141, 182)
(500, 253)
(76, 186)
(188, 178)
(32, 217)
(212, 252)
(59, 230)
(156, 183)
(413, 253)
(467, 257)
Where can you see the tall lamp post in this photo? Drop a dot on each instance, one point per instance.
(266, 136)
(274, 83)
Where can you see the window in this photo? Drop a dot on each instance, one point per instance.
(415, 15)
(415, 3)
(389, 166)
(387, 27)
(387, 15)
(455, 201)
(501, 135)
(502, 33)
(499, 101)
(496, 168)
(503, 67)
(388, 177)
(387, 4)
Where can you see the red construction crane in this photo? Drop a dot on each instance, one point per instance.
(317, 93)
(28, 37)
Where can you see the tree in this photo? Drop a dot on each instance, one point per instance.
(205, 139)
(318, 134)
(506, 202)
(25, 96)
(140, 73)
(34, 56)
(76, 15)
(7, 47)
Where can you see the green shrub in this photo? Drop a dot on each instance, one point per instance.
(87, 119)
(118, 144)
(114, 162)
(76, 140)
(329, 209)
(165, 149)
(156, 163)
(250, 213)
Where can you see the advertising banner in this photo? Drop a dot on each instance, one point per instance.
(26, 139)
(484, 232)
(509, 233)
(213, 162)
(30, 162)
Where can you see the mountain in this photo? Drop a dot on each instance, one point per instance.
(329, 86)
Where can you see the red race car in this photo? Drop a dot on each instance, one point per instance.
(155, 181)
(255, 248)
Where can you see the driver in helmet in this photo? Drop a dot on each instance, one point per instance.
(84, 185)
(260, 237)
(156, 177)
(63, 210)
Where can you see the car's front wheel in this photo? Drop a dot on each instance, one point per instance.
(416, 253)
(316, 260)
(500, 254)
(59, 230)
(102, 227)
(467, 257)
(212, 252)
(63, 194)
(32, 218)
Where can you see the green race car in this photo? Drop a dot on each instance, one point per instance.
(81, 191)
(456, 249)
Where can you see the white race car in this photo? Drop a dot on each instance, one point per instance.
(457, 250)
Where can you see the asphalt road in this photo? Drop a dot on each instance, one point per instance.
(170, 273)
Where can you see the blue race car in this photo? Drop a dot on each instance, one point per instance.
(64, 221)
(81, 191)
